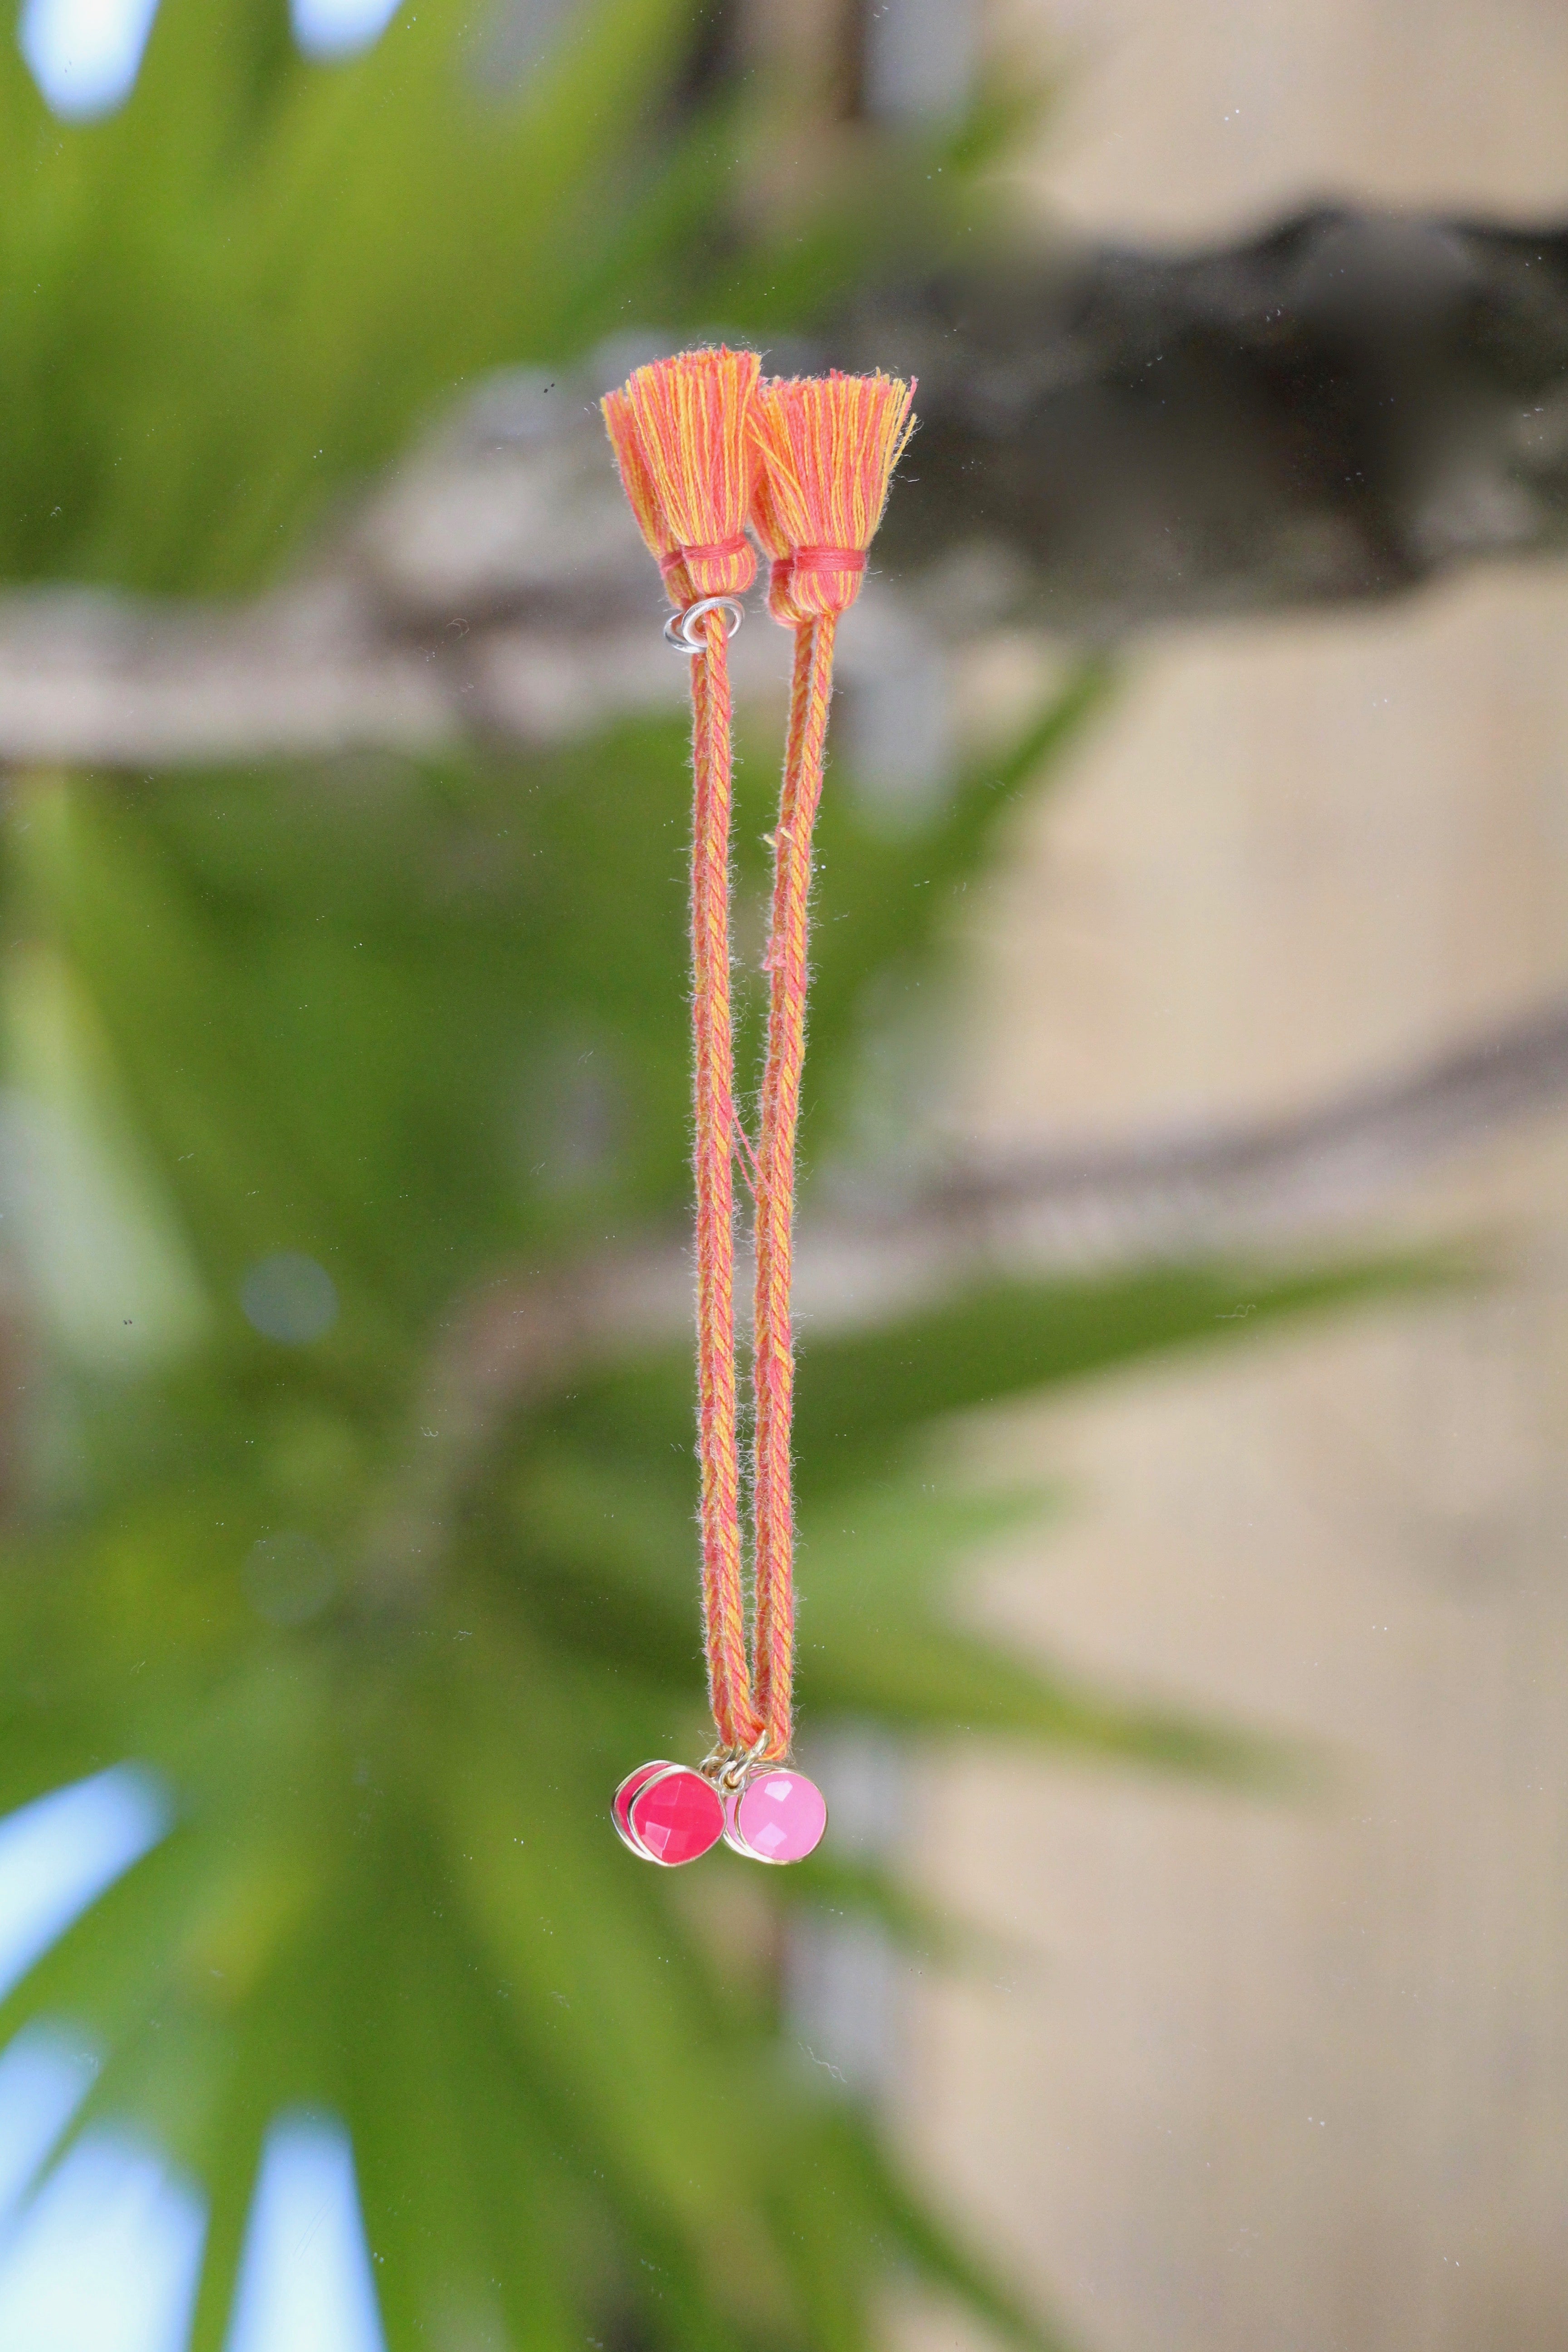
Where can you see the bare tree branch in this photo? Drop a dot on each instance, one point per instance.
(1166, 1197)
(1342, 409)
(1170, 1196)
(1189, 1192)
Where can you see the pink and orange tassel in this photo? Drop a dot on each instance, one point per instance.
(704, 448)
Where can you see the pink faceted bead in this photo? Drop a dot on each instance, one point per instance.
(778, 1816)
(674, 1816)
(623, 1797)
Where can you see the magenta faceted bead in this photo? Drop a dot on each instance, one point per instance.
(777, 1816)
(668, 1813)
(622, 1798)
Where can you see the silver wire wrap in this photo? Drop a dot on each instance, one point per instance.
(677, 631)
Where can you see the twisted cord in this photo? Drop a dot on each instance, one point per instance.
(723, 1602)
(773, 1345)
(700, 448)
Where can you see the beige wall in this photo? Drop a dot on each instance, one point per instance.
(1289, 2076)
(1185, 121)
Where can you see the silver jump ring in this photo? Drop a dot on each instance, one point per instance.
(677, 630)
(728, 1768)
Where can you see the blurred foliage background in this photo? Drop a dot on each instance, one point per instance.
(316, 1071)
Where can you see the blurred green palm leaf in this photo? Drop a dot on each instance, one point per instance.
(391, 1889)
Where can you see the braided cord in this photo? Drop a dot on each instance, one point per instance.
(772, 1346)
(723, 1601)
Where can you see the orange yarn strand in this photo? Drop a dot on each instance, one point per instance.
(638, 483)
(680, 432)
(691, 416)
(723, 1599)
(827, 447)
(774, 1344)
